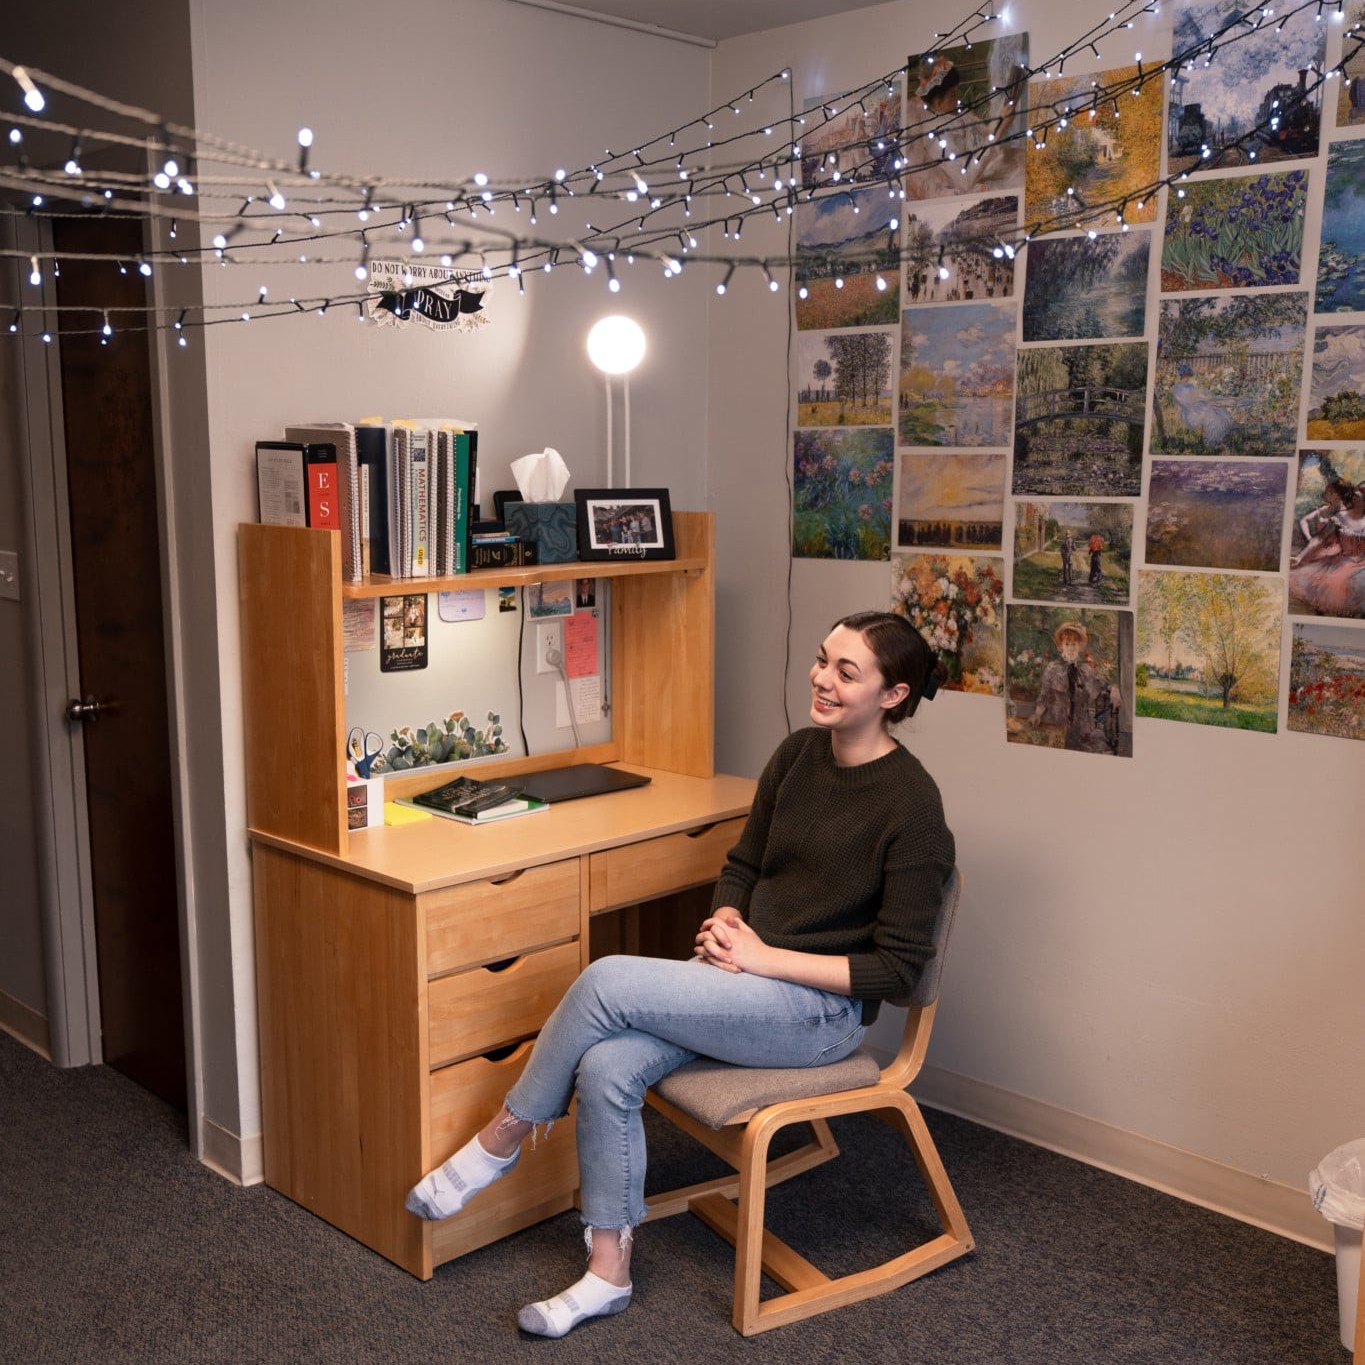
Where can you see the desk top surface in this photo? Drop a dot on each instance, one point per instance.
(435, 853)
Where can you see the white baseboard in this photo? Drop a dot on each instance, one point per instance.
(1281, 1209)
(239, 1159)
(26, 1024)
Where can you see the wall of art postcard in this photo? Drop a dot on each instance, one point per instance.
(1071, 360)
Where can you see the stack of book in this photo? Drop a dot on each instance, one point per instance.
(403, 491)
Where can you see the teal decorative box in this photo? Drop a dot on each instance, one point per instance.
(552, 525)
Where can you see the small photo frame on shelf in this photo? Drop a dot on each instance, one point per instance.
(624, 523)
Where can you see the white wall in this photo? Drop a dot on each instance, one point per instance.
(1169, 946)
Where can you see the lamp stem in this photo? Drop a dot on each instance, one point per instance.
(607, 380)
(626, 385)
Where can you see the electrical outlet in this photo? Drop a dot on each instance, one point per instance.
(549, 646)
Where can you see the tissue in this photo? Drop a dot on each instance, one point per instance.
(541, 478)
(539, 517)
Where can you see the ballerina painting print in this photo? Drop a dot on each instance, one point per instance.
(1327, 566)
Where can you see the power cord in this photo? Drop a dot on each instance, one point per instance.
(556, 660)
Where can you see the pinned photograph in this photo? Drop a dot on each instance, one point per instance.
(1336, 397)
(1229, 374)
(953, 501)
(1327, 680)
(1100, 161)
(1073, 552)
(1341, 255)
(955, 602)
(1238, 233)
(844, 378)
(847, 138)
(1216, 514)
(842, 493)
(1327, 544)
(965, 118)
(957, 250)
(1079, 419)
(1253, 101)
(957, 375)
(1067, 679)
(1087, 287)
(847, 260)
(1208, 648)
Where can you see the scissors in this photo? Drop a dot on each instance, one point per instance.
(365, 749)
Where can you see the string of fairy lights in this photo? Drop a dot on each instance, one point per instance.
(663, 200)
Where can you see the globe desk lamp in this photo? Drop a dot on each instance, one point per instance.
(616, 345)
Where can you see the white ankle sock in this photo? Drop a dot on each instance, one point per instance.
(591, 1297)
(448, 1188)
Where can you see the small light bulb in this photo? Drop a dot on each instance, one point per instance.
(145, 268)
(220, 241)
(15, 135)
(305, 137)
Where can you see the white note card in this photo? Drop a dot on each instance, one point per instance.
(584, 695)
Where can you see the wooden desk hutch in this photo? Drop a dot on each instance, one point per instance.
(402, 972)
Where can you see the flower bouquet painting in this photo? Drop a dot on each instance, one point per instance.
(954, 601)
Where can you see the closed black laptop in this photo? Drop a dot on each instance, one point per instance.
(581, 779)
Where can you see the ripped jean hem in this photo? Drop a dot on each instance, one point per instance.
(625, 1236)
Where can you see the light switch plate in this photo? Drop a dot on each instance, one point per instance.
(9, 574)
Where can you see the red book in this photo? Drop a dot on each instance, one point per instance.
(320, 466)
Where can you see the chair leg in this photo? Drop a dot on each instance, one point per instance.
(809, 1290)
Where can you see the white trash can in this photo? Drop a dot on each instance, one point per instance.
(1338, 1190)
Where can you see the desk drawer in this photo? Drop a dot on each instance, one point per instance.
(490, 921)
(463, 1098)
(474, 1012)
(656, 867)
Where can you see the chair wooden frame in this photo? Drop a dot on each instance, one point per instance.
(744, 1143)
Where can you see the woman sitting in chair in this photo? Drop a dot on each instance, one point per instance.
(823, 909)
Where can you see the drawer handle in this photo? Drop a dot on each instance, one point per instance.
(510, 877)
(501, 1054)
(702, 830)
(503, 965)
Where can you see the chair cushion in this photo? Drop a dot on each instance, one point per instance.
(714, 1092)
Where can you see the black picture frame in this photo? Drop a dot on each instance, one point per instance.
(624, 523)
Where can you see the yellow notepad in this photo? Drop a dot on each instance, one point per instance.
(394, 814)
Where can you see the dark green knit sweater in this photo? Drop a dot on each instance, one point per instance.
(848, 861)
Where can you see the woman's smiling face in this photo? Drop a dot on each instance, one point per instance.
(847, 688)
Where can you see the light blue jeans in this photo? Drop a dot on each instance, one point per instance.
(627, 1022)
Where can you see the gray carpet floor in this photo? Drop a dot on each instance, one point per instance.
(116, 1245)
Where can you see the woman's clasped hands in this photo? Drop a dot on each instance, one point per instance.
(726, 941)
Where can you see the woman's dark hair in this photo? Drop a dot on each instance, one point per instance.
(903, 656)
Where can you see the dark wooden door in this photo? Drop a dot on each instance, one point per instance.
(115, 550)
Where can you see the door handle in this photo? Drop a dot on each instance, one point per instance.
(89, 710)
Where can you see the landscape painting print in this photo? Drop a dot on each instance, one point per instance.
(1341, 257)
(956, 250)
(1336, 397)
(952, 501)
(1351, 89)
(1068, 679)
(1087, 287)
(845, 244)
(956, 603)
(851, 138)
(957, 375)
(972, 98)
(1229, 373)
(1100, 161)
(842, 493)
(1073, 552)
(1327, 680)
(1254, 96)
(1216, 514)
(1208, 648)
(1327, 563)
(1079, 419)
(1238, 233)
(844, 378)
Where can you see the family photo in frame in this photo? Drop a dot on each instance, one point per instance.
(624, 523)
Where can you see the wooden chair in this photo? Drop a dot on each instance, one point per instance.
(736, 1111)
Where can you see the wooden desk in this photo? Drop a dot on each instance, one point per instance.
(401, 983)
